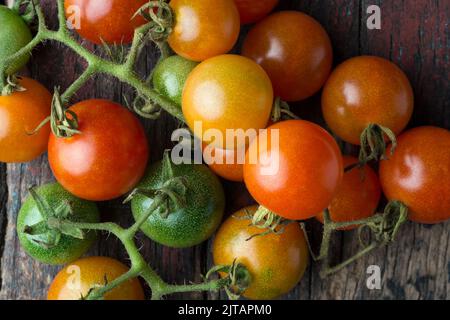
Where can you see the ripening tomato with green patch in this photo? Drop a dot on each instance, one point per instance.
(295, 51)
(252, 11)
(75, 281)
(21, 112)
(44, 243)
(170, 75)
(418, 174)
(227, 92)
(112, 21)
(366, 90)
(14, 35)
(357, 196)
(276, 262)
(107, 159)
(293, 169)
(203, 29)
(196, 216)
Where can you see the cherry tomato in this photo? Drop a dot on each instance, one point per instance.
(20, 114)
(251, 11)
(169, 77)
(68, 248)
(418, 174)
(227, 92)
(204, 29)
(357, 196)
(190, 223)
(295, 51)
(225, 163)
(107, 159)
(14, 35)
(293, 169)
(276, 262)
(366, 90)
(108, 20)
(76, 280)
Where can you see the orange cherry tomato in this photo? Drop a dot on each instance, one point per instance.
(227, 92)
(297, 175)
(251, 11)
(76, 280)
(366, 90)
(229, 165)
(204, 29)
(295, 51)
(276, 262)
(108, 20)
(418, 174)
(107, 159)
(20, 114)
(357, 196)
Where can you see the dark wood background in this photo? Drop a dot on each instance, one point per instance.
(414, 34)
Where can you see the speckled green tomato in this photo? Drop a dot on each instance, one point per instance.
(68, 249)
(197, 220)
(170, 76)
(14, 35)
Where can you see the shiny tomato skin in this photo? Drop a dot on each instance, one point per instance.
(357, 196)
(227, 92)
(230, 167)
(91, 272)
(107, 159)
(295, 51)
(365, 90)
(108, 20)
(276, 262)
(20, 114)
(305, 169)
(252, 11)
(204, 29)
(418, 174)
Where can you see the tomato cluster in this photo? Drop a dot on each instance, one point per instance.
(294, 169)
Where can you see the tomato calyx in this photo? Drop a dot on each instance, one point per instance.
(281, 111)
(47, 233)
(28, 13)
(12, 85)
(267, 220)
(373, 143)
(161, 19)
(171, 196)
(383, 227)
(236, 281)
(63, 122)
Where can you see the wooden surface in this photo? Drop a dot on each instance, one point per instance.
(414, 34)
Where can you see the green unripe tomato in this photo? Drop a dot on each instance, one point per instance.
(68, 248)
(14, 35)
(192, 223)
(170, 76)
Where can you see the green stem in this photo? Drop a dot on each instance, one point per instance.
(123, 72)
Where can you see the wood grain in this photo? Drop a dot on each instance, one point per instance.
(414, 35)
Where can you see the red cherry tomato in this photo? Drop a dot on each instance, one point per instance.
(366, 90)
(418, 174)
(228, 166)
(295, 51)
(110, 20)
(251, 11)
(107, 159)
(204, 29)
(20, 113)
(295, 176)
(357, 196)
